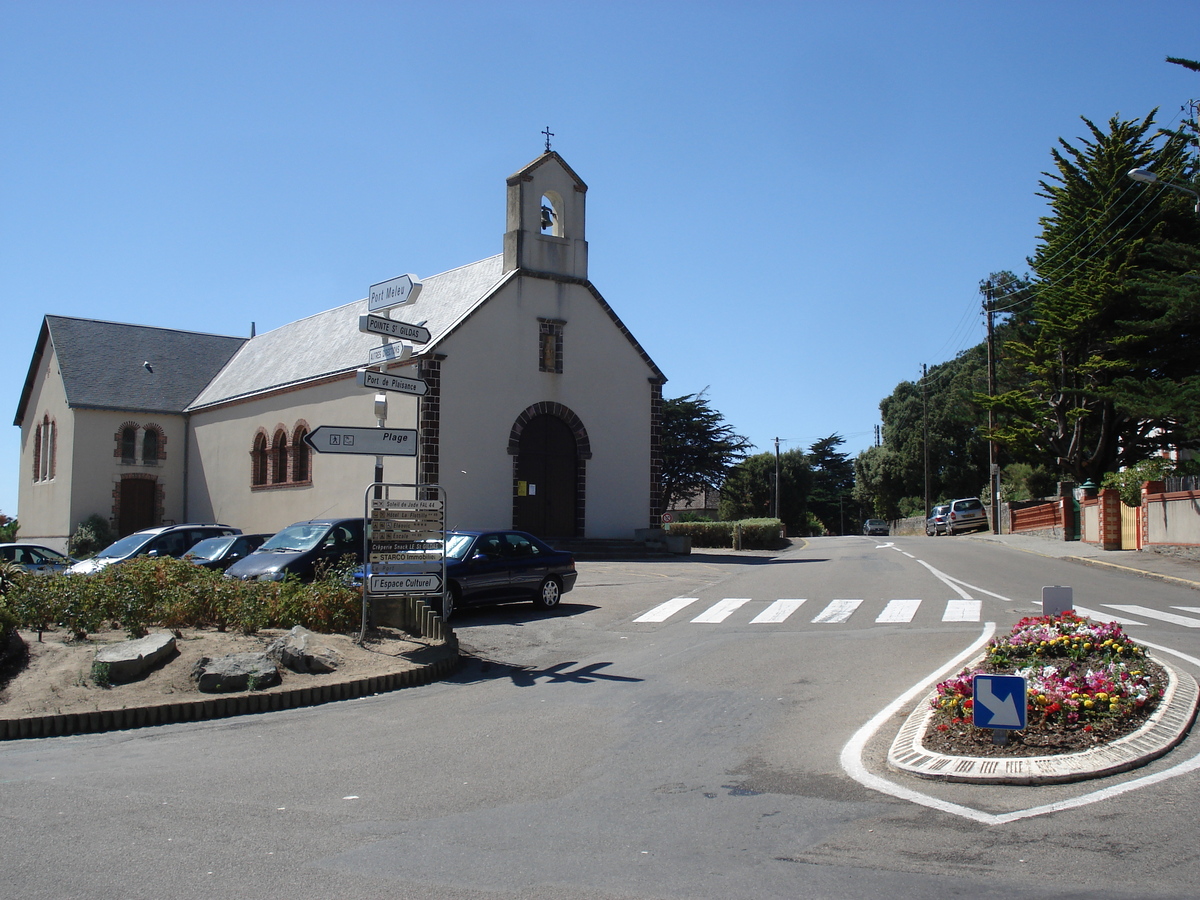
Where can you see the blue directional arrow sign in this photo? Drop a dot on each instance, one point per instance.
(999, 701)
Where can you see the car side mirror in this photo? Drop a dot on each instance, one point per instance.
(479, 557)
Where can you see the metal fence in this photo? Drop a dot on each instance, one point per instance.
(1183, 483)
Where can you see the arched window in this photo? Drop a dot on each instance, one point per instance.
(258, 460)
(300, 455)
(280, 456)
(150, 447)
(128, 444)
(37, 453)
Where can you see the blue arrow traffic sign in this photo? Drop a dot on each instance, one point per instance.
(999, 701)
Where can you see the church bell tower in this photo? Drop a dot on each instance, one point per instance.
(546, 214)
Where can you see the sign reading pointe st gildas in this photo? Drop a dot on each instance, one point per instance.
(365, 441)
(394, 328)
(381, 381)
(398, 291)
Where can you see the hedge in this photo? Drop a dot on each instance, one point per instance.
(757, 534)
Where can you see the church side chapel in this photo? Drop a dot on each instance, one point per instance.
(540, 412)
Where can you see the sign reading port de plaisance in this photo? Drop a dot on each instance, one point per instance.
(394, 328)
(399, 291)
(381, 381)
(365, 441)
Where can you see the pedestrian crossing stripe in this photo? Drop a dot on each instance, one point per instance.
(777, 612)
(899, 612)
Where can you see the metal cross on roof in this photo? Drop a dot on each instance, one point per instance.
(549, 134)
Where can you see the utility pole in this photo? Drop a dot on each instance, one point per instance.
(925, 430)
(989, 307)
(777, 478)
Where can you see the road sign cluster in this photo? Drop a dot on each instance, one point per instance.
(405, 546)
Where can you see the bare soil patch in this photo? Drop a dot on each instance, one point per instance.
(54, 676)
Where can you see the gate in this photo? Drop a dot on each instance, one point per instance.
(1131, 527)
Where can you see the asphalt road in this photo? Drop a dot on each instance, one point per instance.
(617, 748)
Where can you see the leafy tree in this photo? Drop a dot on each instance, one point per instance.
(1107, 360)
(832, 481)
(698, 447)
(748, 490)
(8, 528)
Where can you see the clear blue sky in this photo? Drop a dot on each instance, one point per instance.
(790, 204)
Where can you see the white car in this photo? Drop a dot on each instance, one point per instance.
(967, 514)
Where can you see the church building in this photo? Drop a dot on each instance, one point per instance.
(541, 411)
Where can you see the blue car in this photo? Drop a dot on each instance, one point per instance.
(502, 567)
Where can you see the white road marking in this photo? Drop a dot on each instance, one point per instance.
(946, 579)
(664, 611)
(1104, 617)
(719, 612)
(1186, 621)
(837, 611)
(899, 611)
(777, 612)
(1195, 609)
(852, 754)
(962, 611)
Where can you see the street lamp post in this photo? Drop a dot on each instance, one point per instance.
(1145, 176)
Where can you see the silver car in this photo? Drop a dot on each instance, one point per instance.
(967, 514)
(35, 558)
(936, 523)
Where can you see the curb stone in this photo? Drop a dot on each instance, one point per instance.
(1166, 728)
(221, 707)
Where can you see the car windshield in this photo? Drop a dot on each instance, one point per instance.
(126, 546)
(457, 545)
(210, 548)
(298, 538)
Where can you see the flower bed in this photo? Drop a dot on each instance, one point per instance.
(1087, 682)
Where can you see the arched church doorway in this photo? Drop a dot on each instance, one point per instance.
(546, 470)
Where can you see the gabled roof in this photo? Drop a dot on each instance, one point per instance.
(110, 365)
(526, 171)
(329, 343)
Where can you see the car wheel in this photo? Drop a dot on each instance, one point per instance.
(549, 594)
(450, 602)
(929, 532)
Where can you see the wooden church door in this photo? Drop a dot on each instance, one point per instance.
(546, 471)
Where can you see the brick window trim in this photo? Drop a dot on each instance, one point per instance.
(550, 330)
(265, 457)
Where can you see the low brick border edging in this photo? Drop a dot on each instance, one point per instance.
(230, 705)
(1166, 728)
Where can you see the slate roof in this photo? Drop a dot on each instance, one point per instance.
(103, 364)
(329, 343)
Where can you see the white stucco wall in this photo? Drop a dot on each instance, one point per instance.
(490, 376)
(220, 457)
(43, 507)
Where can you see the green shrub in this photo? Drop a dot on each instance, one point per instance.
(757, 534)
(91, 536)
(173, 593)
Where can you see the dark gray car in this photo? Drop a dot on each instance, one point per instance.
(303, 549)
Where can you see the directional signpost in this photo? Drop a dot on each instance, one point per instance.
(999, 704)
(382, 381)
(393, 292)
(394, 328)
(363, 441)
